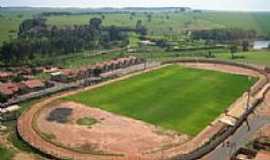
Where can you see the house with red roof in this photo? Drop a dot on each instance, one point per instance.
(263, 155)
(32, 85)
(8, 90)
(5, 76)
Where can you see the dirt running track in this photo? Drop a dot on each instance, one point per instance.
(28, 132)
(112, 134)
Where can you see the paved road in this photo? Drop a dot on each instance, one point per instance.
(242, 136)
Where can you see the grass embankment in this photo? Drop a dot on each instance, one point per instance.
(253, 57)
(6, 154)
(182, 99)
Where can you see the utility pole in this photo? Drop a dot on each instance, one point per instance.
(248, 98)
(145, 60)
(248, 104)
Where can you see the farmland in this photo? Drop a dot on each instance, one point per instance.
(161, 23)
(176, 98)
(164, 24)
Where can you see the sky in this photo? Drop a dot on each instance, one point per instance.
(235, 5)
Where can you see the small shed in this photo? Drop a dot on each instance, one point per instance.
(51, 69)
(147, 43)
(10, 109)
(64, 76)
(9, 113)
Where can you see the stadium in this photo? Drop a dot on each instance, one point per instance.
(177, 110)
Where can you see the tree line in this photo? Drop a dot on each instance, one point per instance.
(36, 38)
(224, 34)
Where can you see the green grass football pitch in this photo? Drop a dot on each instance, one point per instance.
(182, 99)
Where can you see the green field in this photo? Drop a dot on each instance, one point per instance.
(161, 23)
(254, 57)
(182, 99)
(168, 24)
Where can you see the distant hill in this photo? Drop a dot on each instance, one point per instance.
(107, 9)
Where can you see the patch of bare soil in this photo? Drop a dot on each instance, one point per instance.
(2, 139)
(264, 109)
(24, 156)
(222, 68)
(264, 132)
(112, 134)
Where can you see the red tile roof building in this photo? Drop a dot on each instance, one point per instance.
(6, 75)
(9, 89)
(32, 84)
(263, 155)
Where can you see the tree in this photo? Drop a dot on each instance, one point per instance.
(36, 39)
(140, 28)
(161, 43)
(245, 46)
(139, 23)
(103, 16)
(29, 24)
(149, 17)
(95, 23)
(224, 35)
(20, 16)
(3, 98)
(233, 50)
(6, 53)
(210, 54)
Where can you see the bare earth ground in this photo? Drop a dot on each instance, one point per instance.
(264, 132)
(264, 111)
(24, 156)
(113, 133)
(222, 68)
(3, 140)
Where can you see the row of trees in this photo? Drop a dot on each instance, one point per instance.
(36, 38)
(224, 35)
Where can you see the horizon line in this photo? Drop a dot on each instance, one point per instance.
(204, 9)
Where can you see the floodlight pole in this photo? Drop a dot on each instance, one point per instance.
(248, 105)
(248, 99)
(151, 56)
(145, 60)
